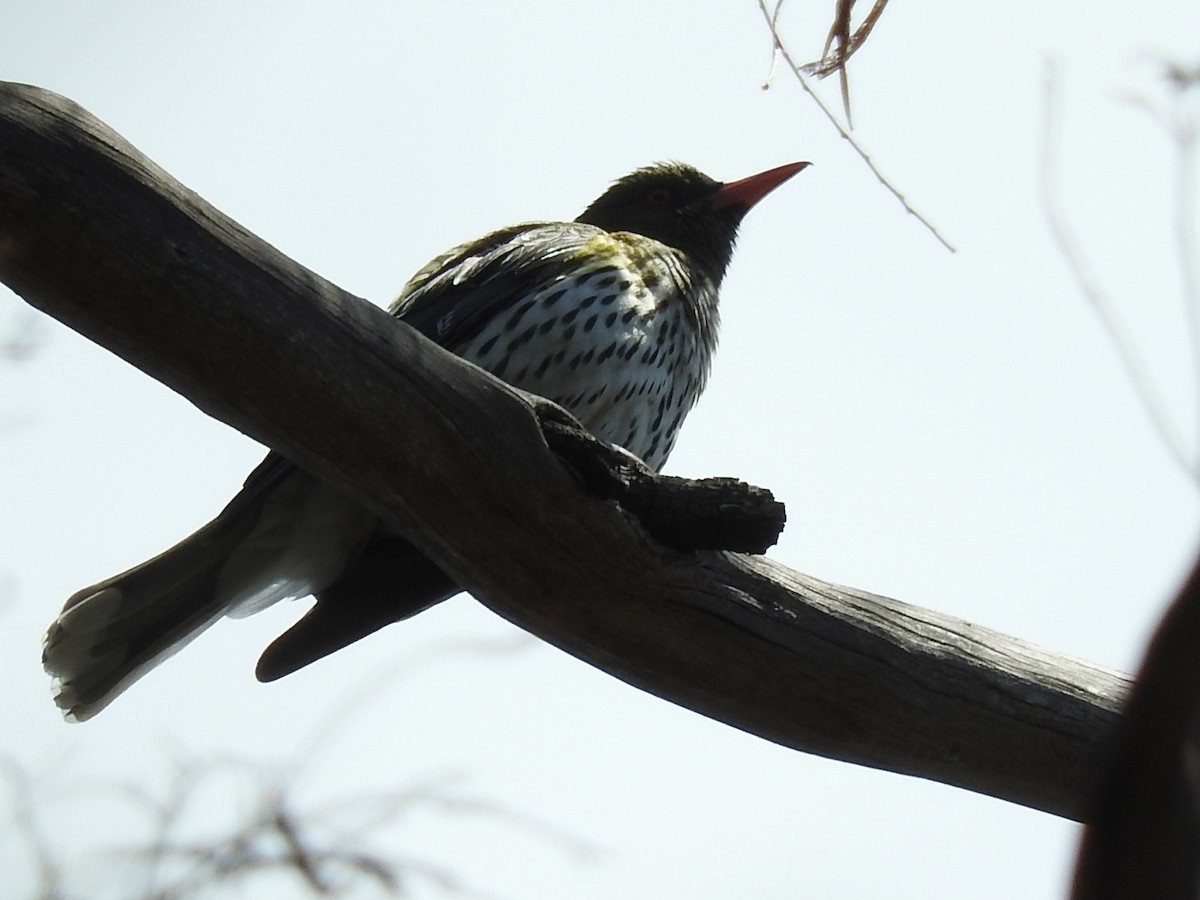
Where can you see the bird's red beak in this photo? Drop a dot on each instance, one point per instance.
(745, 193)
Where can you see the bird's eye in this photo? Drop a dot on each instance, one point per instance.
(659, 197)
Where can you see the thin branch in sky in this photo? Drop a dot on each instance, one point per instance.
(843, 44)
(1118, 335)
(331, 847)
(774, 47)
(839, 41)
(330, 850)
(847, 44)
(1184, 132)
(1179, 121)
(797, 70)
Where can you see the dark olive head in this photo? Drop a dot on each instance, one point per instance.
(683, 208)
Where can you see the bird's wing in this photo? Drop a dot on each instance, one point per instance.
(448, 301)
(450, 298)
(390, 581)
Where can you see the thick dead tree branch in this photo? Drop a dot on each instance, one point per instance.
(97, 236)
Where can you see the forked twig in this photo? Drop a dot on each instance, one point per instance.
(844, 44)
(847, 44)
(797, 70)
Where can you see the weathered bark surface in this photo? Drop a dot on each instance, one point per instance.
(682, 513)
(94, 234)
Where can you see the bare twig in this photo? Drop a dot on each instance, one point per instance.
(774, 48)
(1183, 131)
(839, 40)
(847, 44)
(797, 70)
(328, 849)
(1128, 354)
(843, 45)
(331, 847)
(1180, 124)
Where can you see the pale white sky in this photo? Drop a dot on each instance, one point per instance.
(952, 431)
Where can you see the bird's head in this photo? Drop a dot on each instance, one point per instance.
(683, 208)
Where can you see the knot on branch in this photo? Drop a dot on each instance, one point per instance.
(682, 513)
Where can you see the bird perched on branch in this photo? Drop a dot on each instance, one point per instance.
(612, 316)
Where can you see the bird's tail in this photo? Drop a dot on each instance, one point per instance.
(108, 635)
(285, 535)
